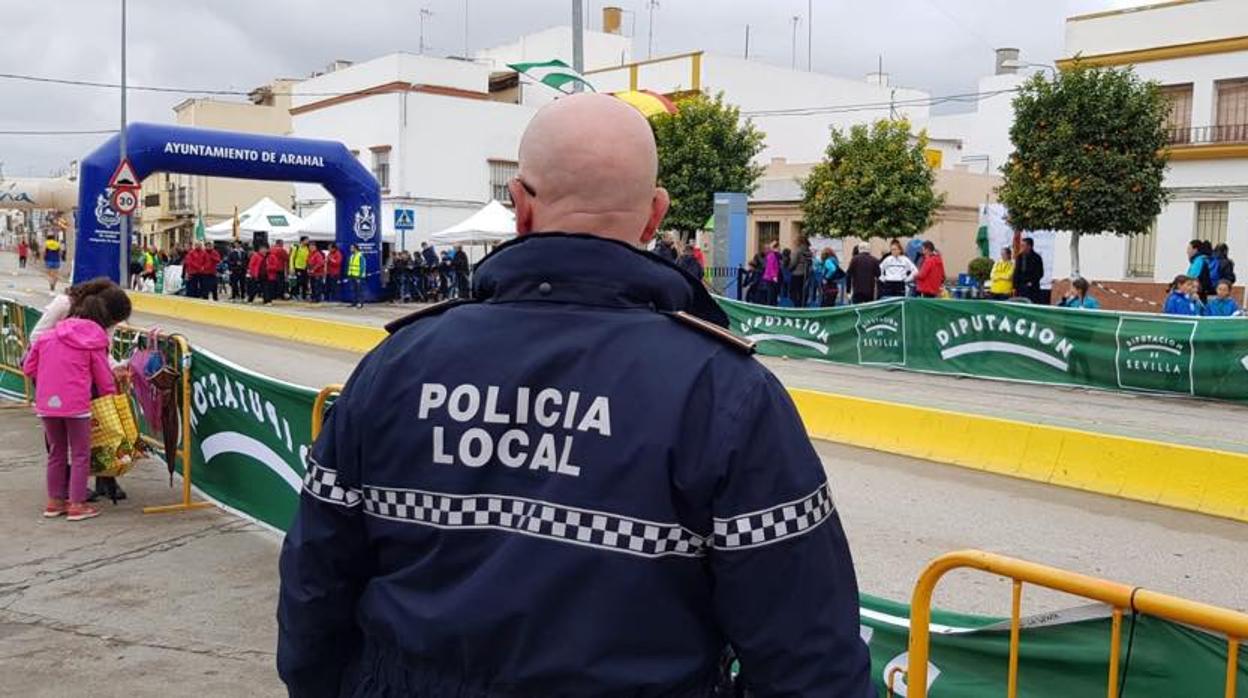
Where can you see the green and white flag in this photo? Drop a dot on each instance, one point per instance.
(554, 74)
(199, 228)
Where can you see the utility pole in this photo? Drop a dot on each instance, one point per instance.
(465, 28)
(123, 233)
(795, 20)
(810, 34)
(747, 42)
(424, 12)
(578, 41)
(651, 5)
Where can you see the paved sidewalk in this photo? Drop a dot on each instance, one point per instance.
(127, 604)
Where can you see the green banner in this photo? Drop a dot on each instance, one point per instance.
(1206, 357)
(251, 438)
(1064, 653)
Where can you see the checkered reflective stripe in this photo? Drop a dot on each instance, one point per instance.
(556, 522)
(773, 525)
(322, 483)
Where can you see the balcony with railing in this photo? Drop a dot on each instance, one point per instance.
(1219, 134)
(180, 200)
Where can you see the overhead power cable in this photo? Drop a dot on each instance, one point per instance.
(88, 132)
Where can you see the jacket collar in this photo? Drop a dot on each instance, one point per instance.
(584, 269)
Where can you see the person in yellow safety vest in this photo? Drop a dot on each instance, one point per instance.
(1001, 281)
(299, 265)
(356, 269)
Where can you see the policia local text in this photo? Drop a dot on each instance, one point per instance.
(549, 408)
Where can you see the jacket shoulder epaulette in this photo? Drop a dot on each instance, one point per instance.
(714, 331)
(426, 312)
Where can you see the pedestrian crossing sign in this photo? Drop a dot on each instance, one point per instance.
(404, 219)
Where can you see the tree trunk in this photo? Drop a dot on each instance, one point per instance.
(1074, 255)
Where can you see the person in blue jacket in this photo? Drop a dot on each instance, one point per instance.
(1183, 299)
(575, 482)
(1199, 269)
(1222, 305)
(1077, 296)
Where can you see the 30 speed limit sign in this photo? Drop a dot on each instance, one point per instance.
(125, 201)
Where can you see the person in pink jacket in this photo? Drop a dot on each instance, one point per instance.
(69, 365)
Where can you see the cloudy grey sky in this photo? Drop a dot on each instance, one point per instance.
(941, 46)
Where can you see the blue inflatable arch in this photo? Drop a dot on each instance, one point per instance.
(196, 151)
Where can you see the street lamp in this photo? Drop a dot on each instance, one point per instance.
(1016, 64)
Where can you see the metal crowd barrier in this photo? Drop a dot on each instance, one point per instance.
(1121, 597)
(318, 407)
(13, 344)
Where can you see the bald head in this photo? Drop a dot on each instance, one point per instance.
(589, 164)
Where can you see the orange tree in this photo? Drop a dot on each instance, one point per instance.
(705, 147)
(873, 182)
(1089, 155)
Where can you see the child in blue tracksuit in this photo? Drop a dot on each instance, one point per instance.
(1183, 299)
(1222, 305)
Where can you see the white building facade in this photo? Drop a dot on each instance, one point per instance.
(1198, 51)
(426, 128)
(794, 108)
(442, 135)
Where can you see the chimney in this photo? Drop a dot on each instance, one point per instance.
(612, 19)
(1006, 55)
(879, 79)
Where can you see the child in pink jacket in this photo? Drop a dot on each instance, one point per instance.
(69, 365)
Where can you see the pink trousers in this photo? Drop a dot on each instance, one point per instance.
(69, 457)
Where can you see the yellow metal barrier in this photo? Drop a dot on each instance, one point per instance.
(1232, 624)
(182, 357)
(318, 407)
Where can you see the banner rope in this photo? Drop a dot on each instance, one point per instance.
(1128, 296)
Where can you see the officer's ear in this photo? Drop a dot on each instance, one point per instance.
(658, 209)
(523, 205)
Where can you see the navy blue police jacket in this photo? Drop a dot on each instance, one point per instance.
(562, 488)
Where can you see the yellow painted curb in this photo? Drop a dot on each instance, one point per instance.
(1173, 475)
(297, 328)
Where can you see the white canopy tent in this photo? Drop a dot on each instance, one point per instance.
(492, 224)
(321, 224)
(266, 216)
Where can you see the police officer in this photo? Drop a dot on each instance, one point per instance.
(573, 483)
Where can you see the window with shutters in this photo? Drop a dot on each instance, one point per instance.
(1231, 123)
(1179, 114)
(1142, 254)
(1211, 217)
(502, 172)
(768, 232)
(381, 166)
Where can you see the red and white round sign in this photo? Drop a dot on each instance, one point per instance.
(125, 201)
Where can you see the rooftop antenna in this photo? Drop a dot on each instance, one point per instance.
(810, 33)
(424, 13)
(795, 20)
(651, 5)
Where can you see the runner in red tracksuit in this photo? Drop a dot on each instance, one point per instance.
(255, 273)
(208, 285)
(333, 271)
(191, 270)
(275, 265)
(316, 271)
